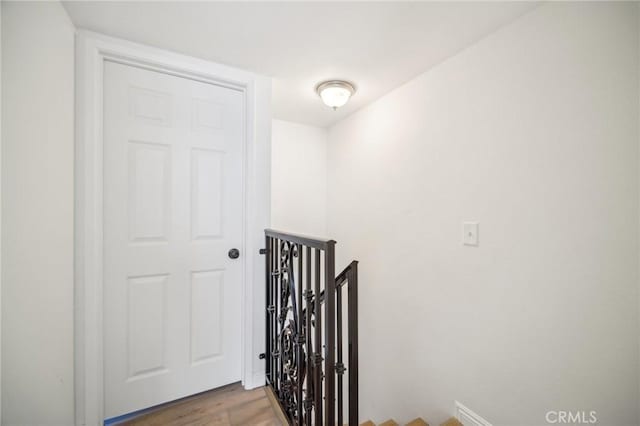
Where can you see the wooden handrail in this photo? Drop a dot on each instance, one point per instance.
(305, 240)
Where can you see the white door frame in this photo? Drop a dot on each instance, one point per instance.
(91, 51)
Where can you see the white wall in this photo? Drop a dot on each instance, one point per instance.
(299, 178)
(533, 132)
(0, 213)
(37, 214)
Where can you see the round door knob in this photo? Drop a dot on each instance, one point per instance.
(234, 253)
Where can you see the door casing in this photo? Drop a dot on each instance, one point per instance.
(92, 50)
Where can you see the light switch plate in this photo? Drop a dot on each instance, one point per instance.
(470, 235)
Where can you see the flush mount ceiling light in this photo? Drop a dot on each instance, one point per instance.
(335, 93)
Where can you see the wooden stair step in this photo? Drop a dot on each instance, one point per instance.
(452, 422)
(415, 422)
(418, 422)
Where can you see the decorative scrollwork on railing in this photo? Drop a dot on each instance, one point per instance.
(291, 344)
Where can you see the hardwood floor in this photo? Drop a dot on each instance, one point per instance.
(227, 406)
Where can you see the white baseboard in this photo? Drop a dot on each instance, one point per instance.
(468, 417)
(256, 381)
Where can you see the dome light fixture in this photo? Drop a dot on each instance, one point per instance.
(335, 93)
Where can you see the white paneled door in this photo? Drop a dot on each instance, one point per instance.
(173, 182)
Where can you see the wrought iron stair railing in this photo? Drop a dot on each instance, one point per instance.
(306, 305)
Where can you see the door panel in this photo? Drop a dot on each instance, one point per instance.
(146, 334)
(207, 302)
(149, 189)
(173, 159)
(206, 194)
